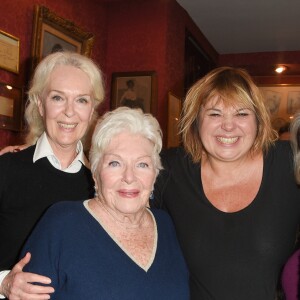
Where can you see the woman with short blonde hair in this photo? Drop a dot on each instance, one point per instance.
(230, 191)
(232, 87)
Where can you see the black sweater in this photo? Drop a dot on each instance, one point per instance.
(27, 189)
(232, 256)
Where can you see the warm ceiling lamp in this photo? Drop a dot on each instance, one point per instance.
(280, 69)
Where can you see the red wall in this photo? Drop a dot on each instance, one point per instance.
(17, 20)
(149, 36)
(137, 40)
(132, 35)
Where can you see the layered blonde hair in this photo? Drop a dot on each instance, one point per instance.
(295, 141)
(40, 82)
(233, 87)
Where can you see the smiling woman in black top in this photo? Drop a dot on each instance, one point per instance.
(230, 190)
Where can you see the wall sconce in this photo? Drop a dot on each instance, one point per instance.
(280, 69)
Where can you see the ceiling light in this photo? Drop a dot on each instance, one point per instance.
(280, 69)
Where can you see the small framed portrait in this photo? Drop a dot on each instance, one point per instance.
(52, 33)
(11, 107)
(9, 52)
(174, 112)
(135, 90)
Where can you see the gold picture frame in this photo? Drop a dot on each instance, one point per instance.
(174, 112)
(141, 88)
(9, 52)
(53, 33)
(11, 107)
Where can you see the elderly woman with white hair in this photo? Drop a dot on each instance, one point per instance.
(113, 246)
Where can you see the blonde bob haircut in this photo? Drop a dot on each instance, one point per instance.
(124, 119)
(40, 82)
(234, 87)
(295, 141)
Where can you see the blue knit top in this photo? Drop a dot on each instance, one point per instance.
(71, 247)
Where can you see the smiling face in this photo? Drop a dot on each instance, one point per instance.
(126, 174)
(227, 132)
(66, 107)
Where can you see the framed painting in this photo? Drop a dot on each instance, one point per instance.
(11, 107)
(282, 101)
(52, 33)
(135, 90)
(9, 52)
(174, 112)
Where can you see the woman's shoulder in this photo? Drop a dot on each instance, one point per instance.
(23, 155)
(173, 152)
(176, 157)
(63, 207)
(9, 162)
(164, 223)
(161, 216)
(63, 210)
(63, 214)
(283, 145)
(60, 220)
(281, 149)
(279, 159)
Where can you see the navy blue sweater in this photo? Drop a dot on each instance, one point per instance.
(84, 262)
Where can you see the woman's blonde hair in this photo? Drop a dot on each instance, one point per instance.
(40, 82)
(233, 87)
(295, 141)
(125, 119)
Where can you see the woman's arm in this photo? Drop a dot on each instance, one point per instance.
(17, 285)
(15, 148)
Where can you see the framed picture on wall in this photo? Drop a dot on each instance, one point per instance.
(11, 107)
(52, 33)
(282, 101)
(135, 90)
(196, 60)
(9, 52)
(174, 111)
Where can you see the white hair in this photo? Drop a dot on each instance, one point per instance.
(129, 120)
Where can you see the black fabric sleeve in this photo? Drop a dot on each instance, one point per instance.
(4, 169)
(163, 177)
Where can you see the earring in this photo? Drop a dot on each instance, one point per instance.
(96, 191)
(151, 197)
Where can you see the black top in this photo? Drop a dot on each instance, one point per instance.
(27, 189)
(232, 256)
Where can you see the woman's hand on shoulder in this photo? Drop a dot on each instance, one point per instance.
(15, 148)
(17, 285)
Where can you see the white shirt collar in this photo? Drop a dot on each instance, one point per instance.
(43, 149)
